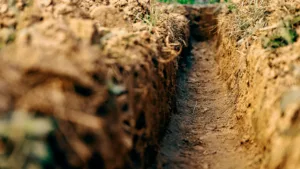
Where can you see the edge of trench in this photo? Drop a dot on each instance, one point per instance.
(204, 133)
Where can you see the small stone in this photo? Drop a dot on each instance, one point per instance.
(204, 110)
(3, 8)
(82, 29)
(61, 37)
(211, 128)
(199, 148)
(69, 2)
(205, 166)
(45, 3)
(63, 9)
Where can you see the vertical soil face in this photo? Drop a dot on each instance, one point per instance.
(94, 79)
(204, 133)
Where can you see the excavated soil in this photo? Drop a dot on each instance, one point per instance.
(264, 74)
(204, 133)
(92, 84)
(85, 83)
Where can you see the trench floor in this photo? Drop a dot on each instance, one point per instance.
(204, 133)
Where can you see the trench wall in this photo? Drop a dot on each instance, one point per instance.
(266, 82)
(100, 79)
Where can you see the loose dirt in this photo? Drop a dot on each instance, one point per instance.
(204, 133)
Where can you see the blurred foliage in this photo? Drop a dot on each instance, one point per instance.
(23, 141)
(7, 36)
(284, 34)
(178, 1)
(190, 1)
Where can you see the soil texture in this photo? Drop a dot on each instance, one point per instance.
(204, 133)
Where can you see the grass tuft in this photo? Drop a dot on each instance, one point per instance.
(245, 19)
(190, 1)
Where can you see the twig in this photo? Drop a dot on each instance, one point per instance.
(269, 27)
(195, 107)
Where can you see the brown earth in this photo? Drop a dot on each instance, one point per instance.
(264, 78)
(258, 96)
(92, 84)
(204, 133)
(85, 83)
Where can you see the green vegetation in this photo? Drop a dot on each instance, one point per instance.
(245, 20)
(7, 36)
(178, 1)
(24, 135)
(231, 7)
(189, 1)
(152, 17)
(284, 34)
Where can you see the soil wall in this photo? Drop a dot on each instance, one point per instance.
(91, 83)
(264, 78)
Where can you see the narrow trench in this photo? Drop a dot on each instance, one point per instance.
(203, 134)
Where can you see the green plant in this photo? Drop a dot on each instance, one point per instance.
(284, 34)
(188, 1)
(23, 141)
(214, 1)
(245, 20)
(231, 7)
(7, 36)
(151, 18)
(178, 1)
(11, 38)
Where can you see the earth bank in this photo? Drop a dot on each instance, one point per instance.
(86, 84)
(89, 84)
(260, 64)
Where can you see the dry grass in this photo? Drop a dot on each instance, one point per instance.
(254, 64)
(251, 18)
(169, 27)
(244, 19)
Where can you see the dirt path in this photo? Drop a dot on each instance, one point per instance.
(203, 135)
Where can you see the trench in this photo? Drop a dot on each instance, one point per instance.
(204, 133)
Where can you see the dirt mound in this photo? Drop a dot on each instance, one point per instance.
(83, 84)
(258, 56)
